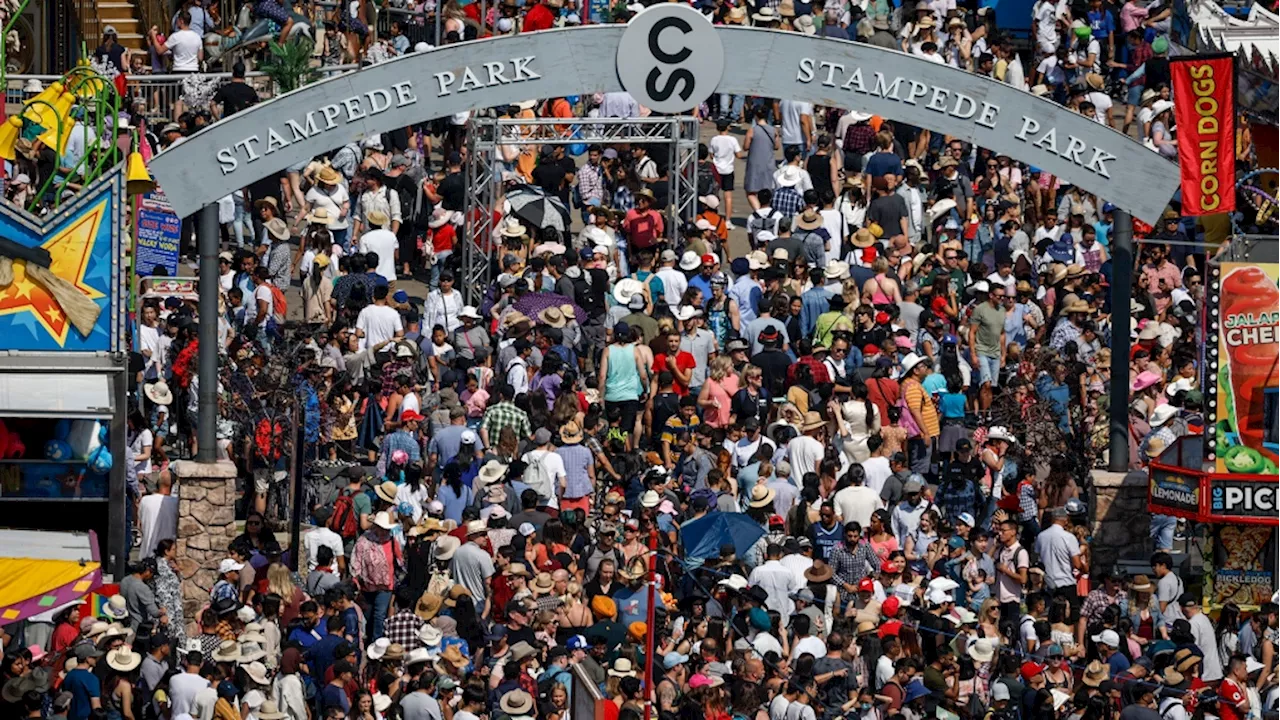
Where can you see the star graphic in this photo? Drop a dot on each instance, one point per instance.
(69, 250)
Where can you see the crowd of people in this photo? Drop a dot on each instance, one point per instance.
(845, 432)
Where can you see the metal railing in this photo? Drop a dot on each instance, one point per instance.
(159, 93)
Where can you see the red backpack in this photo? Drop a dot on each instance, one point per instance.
(344, 520)
(279, 302)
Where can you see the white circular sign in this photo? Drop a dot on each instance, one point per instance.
(670, 58)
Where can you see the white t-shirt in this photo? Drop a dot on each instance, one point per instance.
(804, 454)
(1014, 74)
(379, 323)
(143, 439)
(810, 644)
(1101, 104)
(877, 472)
(724, 150)
(185, 46)
(158, 517)
(385, 244)
(856, 503)
(1046, 15)
(318, 538)
(792, 111)
(331, 201)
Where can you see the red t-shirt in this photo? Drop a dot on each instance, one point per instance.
(442, 238)
(538, 18)
(684, 361)
(1230, 696)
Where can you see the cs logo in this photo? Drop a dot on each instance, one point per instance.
(670, 58)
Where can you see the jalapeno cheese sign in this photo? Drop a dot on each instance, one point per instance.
(1248, 369)
(670, 58)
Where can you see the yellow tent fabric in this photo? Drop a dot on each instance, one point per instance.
(25, 578)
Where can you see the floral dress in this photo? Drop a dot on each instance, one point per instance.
(169, 595)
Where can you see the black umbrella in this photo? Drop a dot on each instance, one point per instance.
(538, 209)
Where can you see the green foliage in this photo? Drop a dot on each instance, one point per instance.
(289, 65)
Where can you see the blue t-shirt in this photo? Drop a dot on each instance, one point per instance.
(334, 696)
(952, 405)
(1101, 23)
(1118, 662)
(883, 163)
(83, 686)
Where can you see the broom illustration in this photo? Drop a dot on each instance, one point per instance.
(80, 309)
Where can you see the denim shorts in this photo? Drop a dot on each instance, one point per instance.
(989, 370)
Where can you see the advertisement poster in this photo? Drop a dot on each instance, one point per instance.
(1204, 111)
(159, 236)
(1243, 565)
(1174, 492)
(1248, 384)
(63, 294)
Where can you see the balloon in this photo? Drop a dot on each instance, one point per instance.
(577, 149)
(62, 429)
(57, 449)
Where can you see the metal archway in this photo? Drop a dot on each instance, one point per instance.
(412, 89)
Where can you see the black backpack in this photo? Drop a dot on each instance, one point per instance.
(708, 181)
(415, 207)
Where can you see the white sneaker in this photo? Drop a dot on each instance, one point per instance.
(729, 225)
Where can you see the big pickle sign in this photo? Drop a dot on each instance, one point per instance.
(670, 59)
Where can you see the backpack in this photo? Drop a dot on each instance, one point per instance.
(279, 304)
(550, 679)
(415, 206)
(757, 222)
(343, 520)
(708, 181)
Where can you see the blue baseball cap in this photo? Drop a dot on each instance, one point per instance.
(586, 253)
(577, 642)
(673, 659)
(400, 296)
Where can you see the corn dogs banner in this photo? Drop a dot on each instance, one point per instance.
(1204, 109)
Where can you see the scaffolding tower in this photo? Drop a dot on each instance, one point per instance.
(484, 173)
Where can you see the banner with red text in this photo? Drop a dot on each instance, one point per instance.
(1204, 111)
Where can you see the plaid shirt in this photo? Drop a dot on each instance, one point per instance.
(788, 201)
(1097, 601)
(850, 566)
(1138, 56)
(505, 415)
(591, 182)
(403, 628)
(859, 138)
(398, 440)
(548, 603)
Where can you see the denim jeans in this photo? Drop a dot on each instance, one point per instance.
(340, 238)
(241, 220)
(379, 601)
(731, 105)
(1162, 527)
(441, 257)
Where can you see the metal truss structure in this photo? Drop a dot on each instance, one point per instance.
(484, 173)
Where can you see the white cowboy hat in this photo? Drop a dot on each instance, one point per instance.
(910, 361)
(430, 635)
(687, 312)
(123, 659)
(1163, 414)
(257, 672)
(625, 288)
(491, 472)
(469, 311)
(269, 711)
(512, 228)
(1000, 432)
(446, 546)
(116, 608)
(941, 207)
(787, 176)
(377, 648)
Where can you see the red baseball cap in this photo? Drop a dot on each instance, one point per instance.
(866, 585)
(709, 259)
(882, 317)
(890, 606)
(1031, 669)
(871, 349)
(889, 567)
(410, 415)
(890, 629)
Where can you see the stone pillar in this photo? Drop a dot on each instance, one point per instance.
(1121, 520)
(206, 525)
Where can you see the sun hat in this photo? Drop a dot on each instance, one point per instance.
(228, 652)
(384, 521)
(622, 667)
(1141, 583)
(116, 608)
(762, 496)
(446, 546)
(982, 650)
(1095, 673)
(123, 659)
(516, 703)
(690, 261)
(787, 176)
(158, 392)
(1144, 380)
(1162, 415)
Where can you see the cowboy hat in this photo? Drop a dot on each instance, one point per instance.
(863, 238)
(818, 573)
(1162, 415)
(453, 656)
(812, 421)
(650, 499)
(737, 14)
(1077, 306)
(377, 648)
(158, 392)
(1161, 106)
(626, 288)
(446, 546)
(571, 433)
(635, 569)
(1141, 583)
(787, 176)
(522, 650)
(766, 14)
(805, 25)
(543, 584)
(1040, 90)
(269, 711)
(328, 176)
(1000, 432)
(552, 317)
(228, 652)
(787, 8)
(910, 362)
(123, 659)
(257, 672)
(429, 604)
(809, 220)
(516, 703)
(430, 635)
(836, 270)
(491, 472)
(512, 228)
(1095, 81)
(319, 216)
(1095, 674)
(762, 496)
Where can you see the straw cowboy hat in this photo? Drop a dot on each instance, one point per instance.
(635, 569)
(809, 220)
(386, 491)
(767, 14)
(787, 8)
(319, 216)
(1057, 273)
(429, 604)
(123, 659)
(1095, 81)
(552, 317)
(228, 652)
(737, 15)
(328, 176)
(491, 472)
(1095, 674)
(1077, 306)
(812, 421)
(269, 711)
(453, 656)
(571, 433)
(863, 238)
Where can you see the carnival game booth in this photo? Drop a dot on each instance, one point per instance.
(63, 369)
(42, 572)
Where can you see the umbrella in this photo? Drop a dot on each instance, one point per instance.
(704, 536)
(534, 206)
(535, 302)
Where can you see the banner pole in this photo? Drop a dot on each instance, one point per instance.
(1121, 288)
